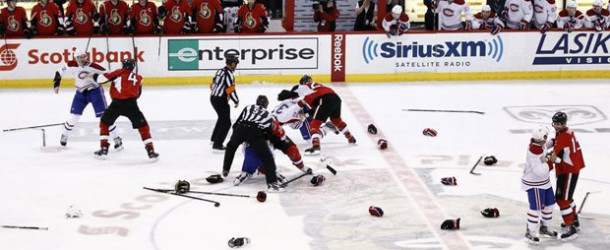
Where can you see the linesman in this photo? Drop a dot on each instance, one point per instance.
(223, 89)
(254, 125)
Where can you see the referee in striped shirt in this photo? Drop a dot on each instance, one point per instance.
(223, 88)
(254, 127)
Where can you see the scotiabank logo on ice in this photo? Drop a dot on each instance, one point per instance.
(8, 57)
(36, 56)
(493, 49)
(573, 48)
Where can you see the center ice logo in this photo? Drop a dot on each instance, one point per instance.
(484, 48)
(542, 114)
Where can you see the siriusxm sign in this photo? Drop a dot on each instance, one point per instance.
(573, 48)
(448, 49)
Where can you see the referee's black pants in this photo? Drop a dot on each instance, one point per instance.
(223, 124)
(253, 135)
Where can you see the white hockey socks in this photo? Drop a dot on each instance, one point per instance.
(547, 215)
(532, 222)
(113, 131)
(70, 123)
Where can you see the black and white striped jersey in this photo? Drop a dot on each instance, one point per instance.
(224, 84)
(256, 115)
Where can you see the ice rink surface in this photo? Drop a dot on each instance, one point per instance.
(38, 184)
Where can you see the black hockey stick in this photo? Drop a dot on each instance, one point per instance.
(295, 178)
(585, 199)
(107, 50)
(331, 169)
(216, 203)
(211, 193)
(24, 227)
(133, 44)
(88, 41)
(446, 110)
(32, 127)
(475, 165)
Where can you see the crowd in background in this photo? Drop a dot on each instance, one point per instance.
(86, 17)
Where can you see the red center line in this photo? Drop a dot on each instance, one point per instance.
(412, 185)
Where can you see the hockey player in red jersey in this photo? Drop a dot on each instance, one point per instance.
(251, 18)
(81, 18)
(125, 89)
(143, 16)
(325, 103)
(177, 18)
(207, 16)
(14, 20)
(568, 160)
(113, 17)
(45, 19)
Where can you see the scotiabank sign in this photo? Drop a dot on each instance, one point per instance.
(37, 56)
(8, 56)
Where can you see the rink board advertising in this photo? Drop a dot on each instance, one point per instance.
(258, 53)
(337, 55)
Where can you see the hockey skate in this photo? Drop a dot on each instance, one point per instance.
(531, 238)
(328, 126)
(280, 178)
(314, 150)
(151, 153)
(102, 153)
(64, 140)
(218, 149)
(275, 187)
(241, 178)
(544, 231)
(570, 234)
(118, 143)
(351, 139)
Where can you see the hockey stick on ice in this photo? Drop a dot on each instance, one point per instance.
(216, 203)
(446, 110)
(475, 165)
(32, 127)
(331, 169)
(585, 199)
(210, 193)
(24, 227)
(295, 178)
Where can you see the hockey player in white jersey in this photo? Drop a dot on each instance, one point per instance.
(597, 17)
(450, 15)
(536, 182)
(570, 18)
(516, 15)
(484, 19)
(545, 14)
(87, 91)
(396, 22)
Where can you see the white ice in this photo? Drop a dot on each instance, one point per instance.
(38, 184)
